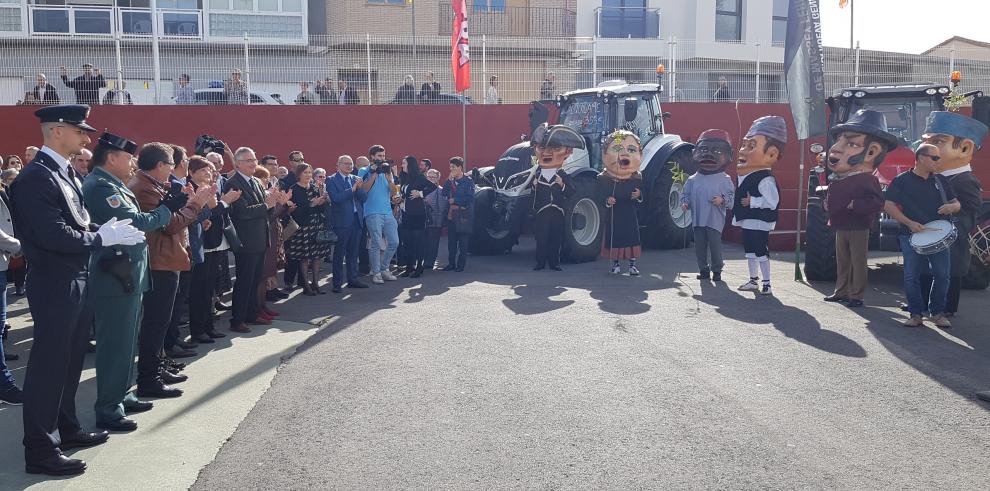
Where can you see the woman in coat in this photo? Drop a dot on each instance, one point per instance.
(9, 392)
(415, 188)
(304, 245)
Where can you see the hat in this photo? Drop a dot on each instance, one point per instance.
(87, 65)
(74, 114)
(557, 135)
(715, 134)
(946, 123)
(867, 122)
(769, 126)
(112, 141)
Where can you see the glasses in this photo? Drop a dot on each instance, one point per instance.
(934, 158)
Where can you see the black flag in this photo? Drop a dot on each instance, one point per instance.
(804, 68)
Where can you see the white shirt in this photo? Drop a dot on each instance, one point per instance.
(491, 97)
(41, 92)
(769, 200)
(340, 97)
(960, 170)
(63, 169)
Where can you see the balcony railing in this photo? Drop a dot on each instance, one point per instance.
(627, 22)
(541, 22)
(109, 21)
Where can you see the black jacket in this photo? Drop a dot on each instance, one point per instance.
(51, 95)
(87, 89)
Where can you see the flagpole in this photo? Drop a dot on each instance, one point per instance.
(852, 17)
(464, 127)
(797, 238)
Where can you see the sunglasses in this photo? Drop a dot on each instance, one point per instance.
(933, 157)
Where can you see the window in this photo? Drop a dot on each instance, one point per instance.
(50, 21)
(728, 20)
(135, 22)
(92, 21)
(489, 5)
(779, 27)
(627, 19)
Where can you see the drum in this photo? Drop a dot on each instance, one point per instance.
(940, 234)
(979, 242)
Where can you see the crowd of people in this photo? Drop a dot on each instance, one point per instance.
(123, 245)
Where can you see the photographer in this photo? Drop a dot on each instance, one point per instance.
(378, 181)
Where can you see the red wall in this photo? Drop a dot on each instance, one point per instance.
(325, 132)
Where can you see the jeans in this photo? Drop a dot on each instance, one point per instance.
(380, 226)
(6, 378)
(914, 266)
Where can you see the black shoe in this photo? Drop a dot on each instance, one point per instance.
(556, 268)
(215, 334)
(57, 465)
(173, 366)
(159, 390)
(177, 352)
(405, 273)
(19, 292)
(138, 407)
(122, 424)
(717, 276)
(539, 267)
(13, 396)
(337, 289)
(83, 439)
(703, 275)
(835, 298)
(356, 284)
(11, 357)
(173, 378)
(449, 267)
(185, 345)
(280, 294)
(417, 274)
(91, 347)
(203, 339)
(221, 307)
(854, 303)
(270, 296)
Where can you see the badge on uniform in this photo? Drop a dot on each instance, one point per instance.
(114, 201)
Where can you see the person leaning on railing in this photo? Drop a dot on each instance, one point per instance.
(235, 89)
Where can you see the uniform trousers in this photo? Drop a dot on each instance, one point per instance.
(61, 336)
(158, 303)
(117, 325)
(549, 230)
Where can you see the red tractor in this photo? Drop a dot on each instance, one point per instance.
(906, 108)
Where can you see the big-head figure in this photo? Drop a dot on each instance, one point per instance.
(861, 143)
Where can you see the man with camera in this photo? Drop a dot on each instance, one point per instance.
(378, 215)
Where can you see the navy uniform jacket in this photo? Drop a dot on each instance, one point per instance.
(55, 234)
(107, 197)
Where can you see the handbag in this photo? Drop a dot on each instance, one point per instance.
(230, 233)
(326, 236)
(289, 229)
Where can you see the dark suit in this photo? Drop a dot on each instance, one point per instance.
(58, 243)
(350, 96)
(51, 95)
(249, 214)
(348, 220)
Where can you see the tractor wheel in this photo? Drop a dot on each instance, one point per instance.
(978, 277)
(669, 225)
(819, 253)
(488, 237)
(582, 222)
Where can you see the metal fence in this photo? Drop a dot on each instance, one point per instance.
(377, 66)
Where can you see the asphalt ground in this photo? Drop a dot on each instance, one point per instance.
(502, 377)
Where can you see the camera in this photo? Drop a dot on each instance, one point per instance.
(206, 144)
(383, 166)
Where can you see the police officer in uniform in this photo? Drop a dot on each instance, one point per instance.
(57, 238)
(118, 277)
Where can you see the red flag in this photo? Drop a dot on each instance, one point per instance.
(460, 59)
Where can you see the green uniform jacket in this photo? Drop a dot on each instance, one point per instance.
(107, 197)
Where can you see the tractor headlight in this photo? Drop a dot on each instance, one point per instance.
(943, 90)
(847, 93)
(860, 93)
(931, 91)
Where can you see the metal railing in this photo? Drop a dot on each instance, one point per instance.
(376, 66)
(512, 21)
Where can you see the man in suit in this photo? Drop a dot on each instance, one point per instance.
(348, 198)
(249, 214)
(87, 86)
(44, 92)
(57, 238)
(118, 277)
(346, 95)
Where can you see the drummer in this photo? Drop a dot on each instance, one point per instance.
(915, 198)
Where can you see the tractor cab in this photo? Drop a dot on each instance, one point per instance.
(906, 108)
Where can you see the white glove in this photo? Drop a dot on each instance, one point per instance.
(119, 233)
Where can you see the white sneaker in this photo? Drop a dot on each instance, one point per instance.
(766, 289)
(616, 269)
(377, 279)
(633, 271)
(389, 276)
(749, 286)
